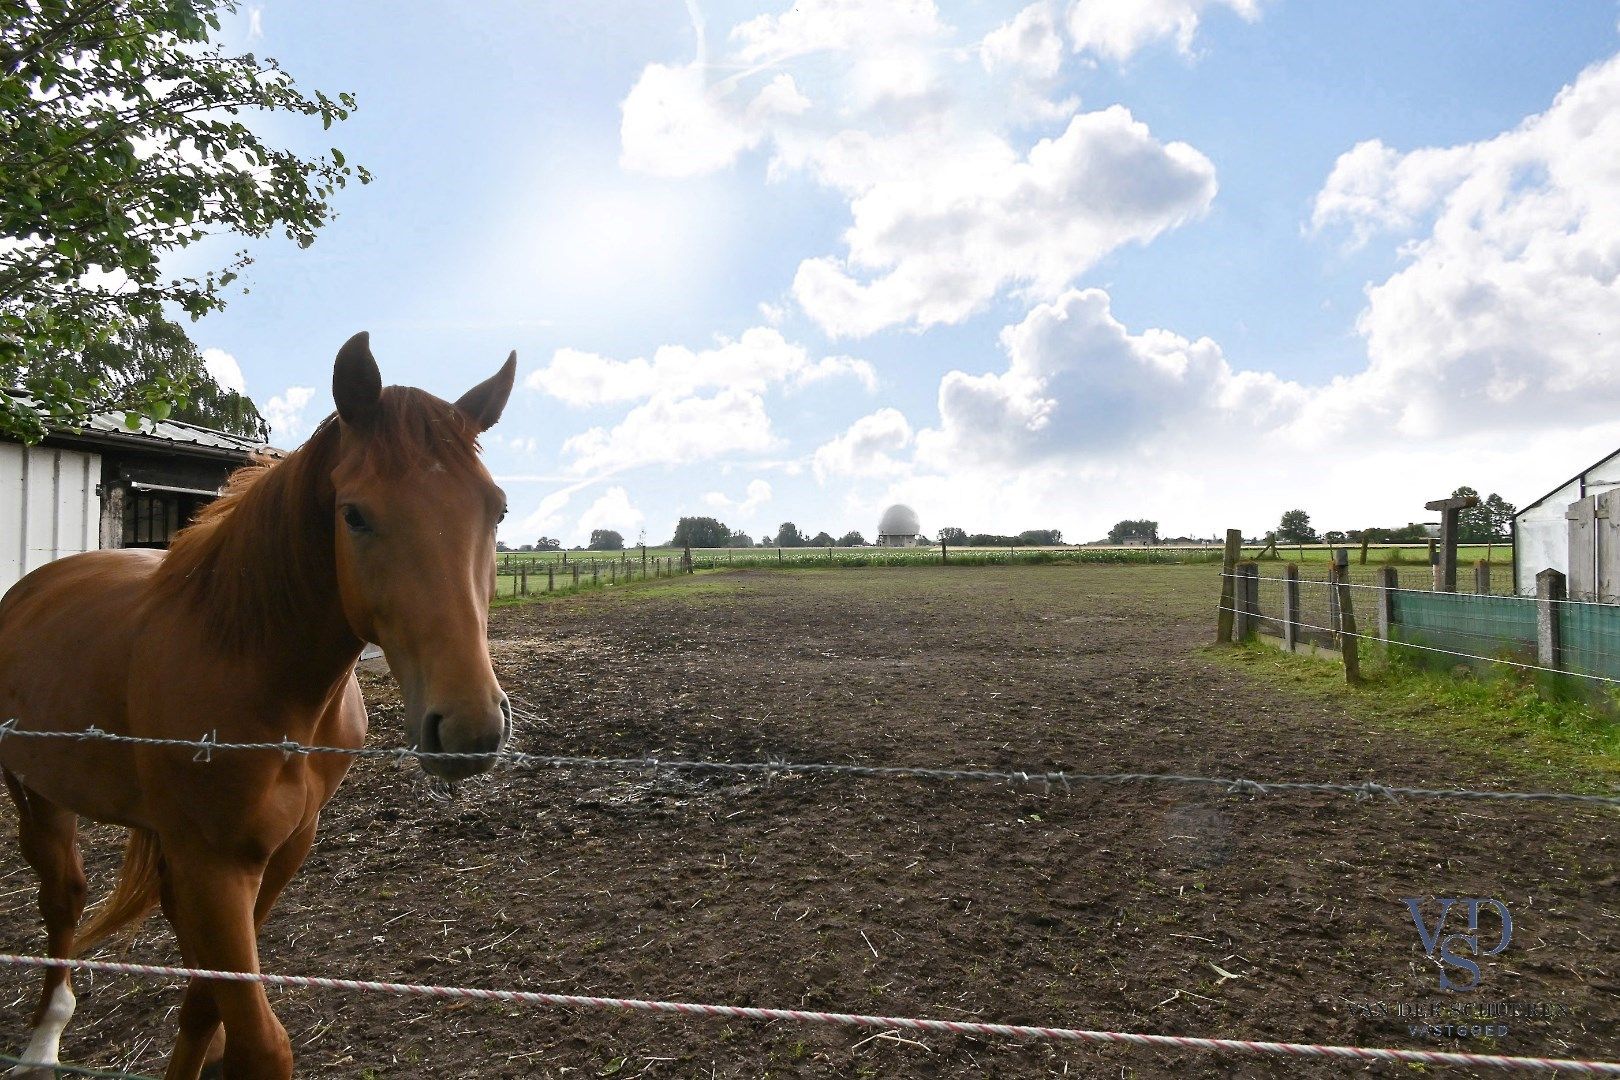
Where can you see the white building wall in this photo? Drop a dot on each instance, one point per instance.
(48, 507)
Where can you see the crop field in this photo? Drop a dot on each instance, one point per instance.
(1166, 909)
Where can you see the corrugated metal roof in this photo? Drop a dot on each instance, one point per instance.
(175, 431)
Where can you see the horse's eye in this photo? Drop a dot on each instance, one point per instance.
(500, 517)
(354, 519)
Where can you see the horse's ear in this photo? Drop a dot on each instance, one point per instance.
(484, 403)
(356, 382)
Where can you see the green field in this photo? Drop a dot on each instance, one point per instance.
(531, 573)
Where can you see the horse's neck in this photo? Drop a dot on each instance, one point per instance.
(271, 596)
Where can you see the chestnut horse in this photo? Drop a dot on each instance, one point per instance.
(379, 528)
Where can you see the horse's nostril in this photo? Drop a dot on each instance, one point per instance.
(431, 742)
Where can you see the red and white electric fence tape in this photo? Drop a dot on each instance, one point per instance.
(953, 1027)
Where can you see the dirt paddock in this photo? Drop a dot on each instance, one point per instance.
(1170, 910)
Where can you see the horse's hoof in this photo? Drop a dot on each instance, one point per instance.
(215, 1071)
(31, 1072)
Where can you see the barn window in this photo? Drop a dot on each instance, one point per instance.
(151, 518)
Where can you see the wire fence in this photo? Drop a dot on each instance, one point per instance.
(855, 1020)
(202, 750)
(1551, 634)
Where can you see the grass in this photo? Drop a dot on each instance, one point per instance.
(1563, 729)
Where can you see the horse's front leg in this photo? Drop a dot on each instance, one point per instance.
(210, 903)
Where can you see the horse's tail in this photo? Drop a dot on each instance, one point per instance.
(132, 899)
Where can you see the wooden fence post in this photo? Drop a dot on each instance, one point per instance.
(1551, 591)
(1290, 609)
(576, 575)
(1245, 600)
(594, 572)
(613, 573)
(1389, 580)
(1482, 577)
(523, 578)
(1348, 641)
(1229, 561)
(551, 577)
(1365, 541)
(944, 556)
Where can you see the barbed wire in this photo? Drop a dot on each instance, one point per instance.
(857, 1020)
(205, 747)
(1431, 648)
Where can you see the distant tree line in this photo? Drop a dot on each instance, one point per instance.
(1489, 522)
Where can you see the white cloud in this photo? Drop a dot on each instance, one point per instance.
(285, 413)
(672, 430)
(1078, 382)
(612, 510)
(757, 494)
(939, 250)
(866, 449)
(1506, 314)
(760, 358)
(1029, 44)
(948, 209)
(1118, 28)
(224, 370)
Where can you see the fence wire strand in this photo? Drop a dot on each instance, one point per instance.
(856, 1020)
(1444, 652)
(205, 747)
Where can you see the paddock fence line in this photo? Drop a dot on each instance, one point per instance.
(856, 1020)
(204, 748)
(1548, 632)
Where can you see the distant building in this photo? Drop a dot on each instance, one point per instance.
(899, 528)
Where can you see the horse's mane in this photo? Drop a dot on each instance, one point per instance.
(258, 561)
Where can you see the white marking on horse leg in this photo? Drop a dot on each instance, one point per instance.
(46, 1041)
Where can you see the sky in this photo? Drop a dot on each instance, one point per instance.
(1047, 265)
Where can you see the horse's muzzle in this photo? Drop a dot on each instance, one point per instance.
(464, 742)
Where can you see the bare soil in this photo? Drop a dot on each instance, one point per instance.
(1174, 910)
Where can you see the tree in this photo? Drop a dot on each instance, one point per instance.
(1473, 522)
(606, 540)
(700, 532)
(852, 539)
(155, 358)
(1295, 528)
(1334, 536)
(124, 141)
(1053, 537)
(548, 543)
(822, 539)
(788, 535)
(500, 545)
(1137, 530)
(1500, 513)
(740, 540)
(952, 536)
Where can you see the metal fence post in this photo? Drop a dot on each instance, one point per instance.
(1290, 610)
(1551, 591)
(1389, 580)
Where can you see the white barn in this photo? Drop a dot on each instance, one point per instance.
(1571, 530)
(105, 486)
